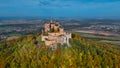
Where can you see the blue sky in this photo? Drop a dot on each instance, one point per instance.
(60, 8)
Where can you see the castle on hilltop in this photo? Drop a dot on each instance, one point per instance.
(53, 34)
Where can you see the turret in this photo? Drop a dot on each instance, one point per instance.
(51, 20)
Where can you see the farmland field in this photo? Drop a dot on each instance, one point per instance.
(102, 38)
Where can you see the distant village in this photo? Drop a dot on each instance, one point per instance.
(53, 34)
(9, 28)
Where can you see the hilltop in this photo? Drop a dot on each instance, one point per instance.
(25, 53)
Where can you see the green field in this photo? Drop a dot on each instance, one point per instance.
(102, 38)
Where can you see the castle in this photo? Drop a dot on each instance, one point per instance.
(53, 34)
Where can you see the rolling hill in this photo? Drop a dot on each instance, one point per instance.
(31, 52)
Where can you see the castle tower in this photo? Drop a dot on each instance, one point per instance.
(54, 34)
(51, 20)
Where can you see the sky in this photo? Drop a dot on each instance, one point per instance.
(60, 8)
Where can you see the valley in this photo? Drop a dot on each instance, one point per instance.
(101, 38)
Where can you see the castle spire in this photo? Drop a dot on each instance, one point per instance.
(51, 20)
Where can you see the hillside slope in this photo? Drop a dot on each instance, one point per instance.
(30, 52)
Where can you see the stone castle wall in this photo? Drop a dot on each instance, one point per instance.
(53, 38)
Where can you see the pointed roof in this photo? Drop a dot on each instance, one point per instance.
(51, 20)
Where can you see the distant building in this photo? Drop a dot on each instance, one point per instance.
(52, 34)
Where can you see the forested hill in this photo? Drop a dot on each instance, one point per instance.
(30, 52)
